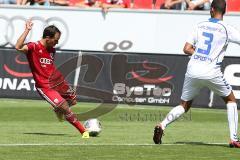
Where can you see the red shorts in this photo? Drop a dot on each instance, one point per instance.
(58, 94)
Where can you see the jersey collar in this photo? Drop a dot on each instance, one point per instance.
(214, 20)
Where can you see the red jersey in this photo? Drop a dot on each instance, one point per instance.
(41, 62)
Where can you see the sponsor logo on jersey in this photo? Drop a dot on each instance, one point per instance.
(45, 61)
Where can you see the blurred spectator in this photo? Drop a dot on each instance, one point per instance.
(24, 2)
(106, 4)
(172, 4)
(41, 2)
(35, 2)
(198, 4)
(18, 2)
(58, 2)
(45, 2)
(85, 3)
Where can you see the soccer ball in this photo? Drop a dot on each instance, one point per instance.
(93, 126)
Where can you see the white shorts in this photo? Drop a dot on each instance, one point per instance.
(192, 86)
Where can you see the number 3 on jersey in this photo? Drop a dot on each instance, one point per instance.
(208, 40)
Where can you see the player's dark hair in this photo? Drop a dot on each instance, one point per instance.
(50, 31)
(219, 6)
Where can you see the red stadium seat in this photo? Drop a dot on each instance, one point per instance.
(158, 4)
(143, 4)
(233, 5)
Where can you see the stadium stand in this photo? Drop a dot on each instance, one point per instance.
(233, 5)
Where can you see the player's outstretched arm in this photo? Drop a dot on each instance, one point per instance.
(20, 42)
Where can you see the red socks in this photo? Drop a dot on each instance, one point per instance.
(71, 118)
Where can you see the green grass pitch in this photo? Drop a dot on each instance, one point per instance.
(29, 130)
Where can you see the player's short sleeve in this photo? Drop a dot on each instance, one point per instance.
(233, 34)
(192, 37)
(30, 46)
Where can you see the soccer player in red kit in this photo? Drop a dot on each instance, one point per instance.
(49, 82)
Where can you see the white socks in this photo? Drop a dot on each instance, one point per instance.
(232, 113)
(174, 114)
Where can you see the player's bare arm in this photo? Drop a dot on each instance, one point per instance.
(81, 5)
(188, 49)
(107, 6)
(20, 46)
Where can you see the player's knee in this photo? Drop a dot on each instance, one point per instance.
(186, 105)
(230, 98)
(186, 109)
(63, 107)
(72, 102)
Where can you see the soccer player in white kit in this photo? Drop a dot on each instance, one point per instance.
(207, 45)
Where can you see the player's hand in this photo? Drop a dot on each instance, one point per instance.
(29, 24)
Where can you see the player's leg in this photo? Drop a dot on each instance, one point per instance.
(43, 94)
(176, 112)
(222, 88)
(59, 114)
(232, 114)
(191, 88)
(173, 115)
(68, 94)
(72, 119)
(60, 104)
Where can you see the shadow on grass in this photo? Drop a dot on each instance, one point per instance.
(46, 134)
(203, 144)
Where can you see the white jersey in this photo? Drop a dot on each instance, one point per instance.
(210, 39)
